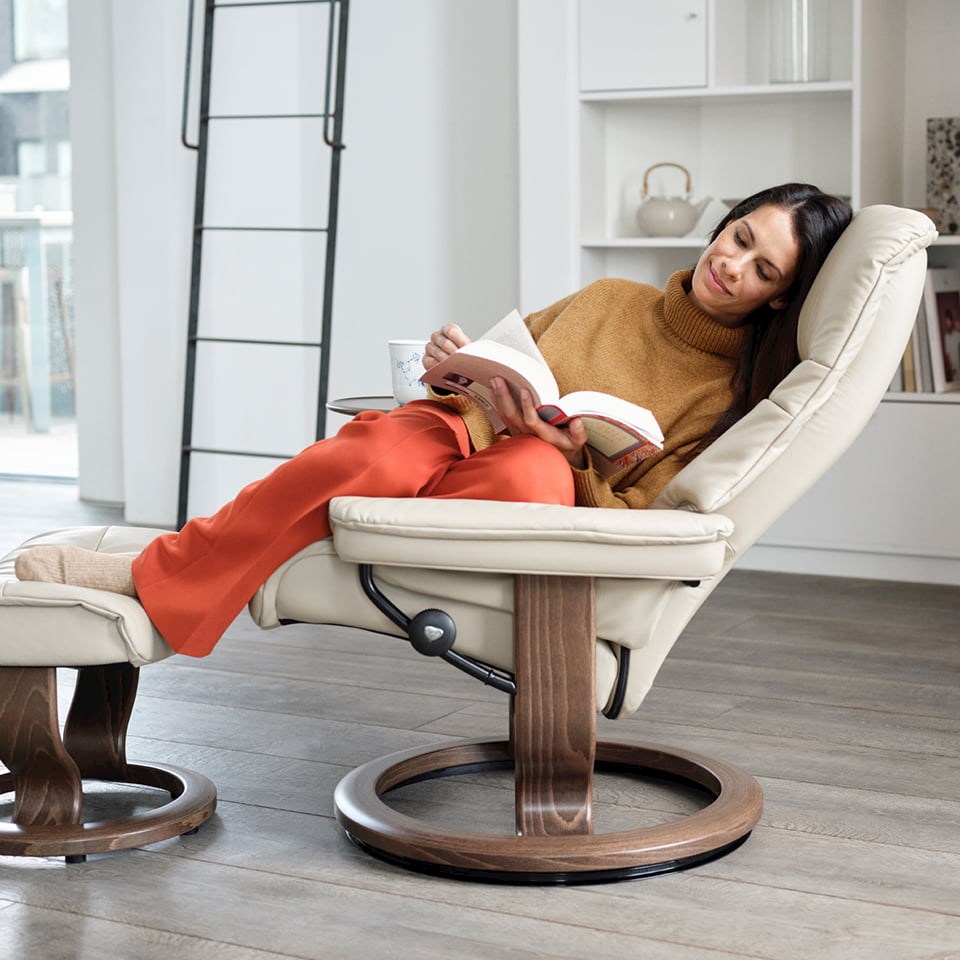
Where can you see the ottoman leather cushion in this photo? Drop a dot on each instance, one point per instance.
(54, 624)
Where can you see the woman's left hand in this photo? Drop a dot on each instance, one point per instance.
(443, 343)
(569, 439)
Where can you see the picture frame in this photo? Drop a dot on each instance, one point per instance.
(941, 306)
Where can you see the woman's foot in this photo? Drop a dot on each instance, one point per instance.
(79, 567)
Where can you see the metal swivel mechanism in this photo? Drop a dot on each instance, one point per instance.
(433, 633)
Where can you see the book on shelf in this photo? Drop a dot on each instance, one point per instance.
(931, 361)
(941, 306)
(909, 374)
(619, 433)
(896, 384)
(920, 344)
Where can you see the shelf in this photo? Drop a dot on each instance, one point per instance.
(692, 243)
(897, 396)
(739, 94)
(645, 243)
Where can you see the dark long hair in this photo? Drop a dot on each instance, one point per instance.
(770, 353)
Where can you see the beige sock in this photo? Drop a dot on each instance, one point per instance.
(79, 567)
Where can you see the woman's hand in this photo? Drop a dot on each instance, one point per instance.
(442, 343)
(569, 439)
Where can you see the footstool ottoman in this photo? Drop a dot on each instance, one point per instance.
(106, 638)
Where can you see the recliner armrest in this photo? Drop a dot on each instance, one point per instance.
(484, 535)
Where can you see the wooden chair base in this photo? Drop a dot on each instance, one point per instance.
(567, 857)
(194, 799)
(47, 771)
(553, 752)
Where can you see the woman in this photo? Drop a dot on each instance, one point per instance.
(699, 354)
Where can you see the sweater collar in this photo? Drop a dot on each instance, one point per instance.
(694, 327)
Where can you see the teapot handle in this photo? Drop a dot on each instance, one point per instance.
(649, 170)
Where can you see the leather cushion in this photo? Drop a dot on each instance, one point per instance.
(58, 625)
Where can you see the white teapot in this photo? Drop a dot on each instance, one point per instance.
(669, 216)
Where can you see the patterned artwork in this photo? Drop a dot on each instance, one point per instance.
(943, 172)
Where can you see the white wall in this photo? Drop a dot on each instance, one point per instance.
(931, 88)
(549, 164)
(428, 222)
(95, 289)
(429, 229)
(153, 203)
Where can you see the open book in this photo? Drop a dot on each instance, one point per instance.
(619, 433)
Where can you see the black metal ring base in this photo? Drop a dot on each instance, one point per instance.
(557, 879)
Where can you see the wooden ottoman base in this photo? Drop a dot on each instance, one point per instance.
(46, 771)
(536, 858)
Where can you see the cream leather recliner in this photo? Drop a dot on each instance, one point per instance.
(529, 587)
(564, 608)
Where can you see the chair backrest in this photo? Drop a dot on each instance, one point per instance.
(853, 329)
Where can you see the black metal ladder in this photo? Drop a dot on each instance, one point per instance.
(332, 119)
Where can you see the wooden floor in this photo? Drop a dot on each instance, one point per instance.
(842, 697)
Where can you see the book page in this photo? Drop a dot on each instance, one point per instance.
(585, 403)
(619, 433)
(511, 331)
(615, 446)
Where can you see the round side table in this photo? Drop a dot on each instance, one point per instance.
(351, 406)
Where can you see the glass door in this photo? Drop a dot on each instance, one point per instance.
(38, 434)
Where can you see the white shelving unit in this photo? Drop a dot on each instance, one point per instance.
(780, 128)
(584, 149)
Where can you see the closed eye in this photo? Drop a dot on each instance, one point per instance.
(744, 239)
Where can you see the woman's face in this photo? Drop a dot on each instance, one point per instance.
(753, 262)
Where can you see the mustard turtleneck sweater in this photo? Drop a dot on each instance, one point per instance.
(652, 347)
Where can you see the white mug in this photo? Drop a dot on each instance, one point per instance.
(406, 368)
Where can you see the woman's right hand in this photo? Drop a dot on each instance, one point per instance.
(442, 343)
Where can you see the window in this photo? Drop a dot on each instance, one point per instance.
(64, 158)
(39, 29)
(37, 158)
(31, 158)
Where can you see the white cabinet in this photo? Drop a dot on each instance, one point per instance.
(887, 509)
(642, 44)
(586, 139)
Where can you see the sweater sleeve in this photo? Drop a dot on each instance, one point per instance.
(479, 427)
(592, 490)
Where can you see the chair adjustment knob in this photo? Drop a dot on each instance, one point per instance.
(432, 632)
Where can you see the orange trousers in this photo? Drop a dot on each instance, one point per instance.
(194, 583)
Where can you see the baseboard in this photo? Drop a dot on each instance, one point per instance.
(852, 563)
(35, 478)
